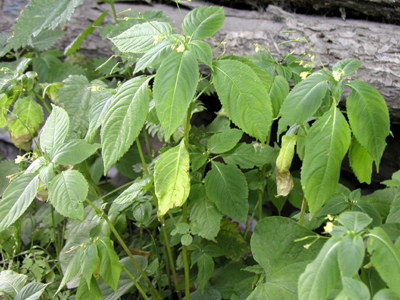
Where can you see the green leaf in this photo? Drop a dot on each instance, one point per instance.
(360, 162)
(351, 255)
(284, 259)
(55, 129)
(88, 291)
(203, 22)
(231, 242)
(326, 145)
(394, 213)
(355, 289)
(303, 101)
(77, 42)
(244, 97)
(67, 191)
(247, 156)
(153, 57)
(73, 268)
(226, 186)
(224, 141)
(124, 119)
(260, 292)
(385, 257)
(31, 291)
(354, 220)
(321, 276)
(45, 39)
(110, 268)
(140, 38)
(73, 152)
(201, 51)
(171, 178)
(7, 167)
(174, 88)
(386, 294)
(17, 198)
(5, 103)
(278, 93)
(205, 218)
(205, 269)
(347, 66)
(11, 282)
(89, 260)
(369, 118)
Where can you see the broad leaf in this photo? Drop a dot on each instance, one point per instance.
(278, 93)
(110, 268)
(88, 291)
(385, 257)
(351, 255)
(246, 156)
(326, 145)
(17, 198)
(46, 39)
(174, 88)
(347, 66)
(31, 291)
(73, 152)
(354, 220)
(67, 191)
(201, 51)
(227, 187)
(11, 282)
(124, 119)
(321, 276)
(244, 97)
(171, 178)
(203, 22)
(89, 261)
(140, 38)
(153, 57)
(369, 118)
(354, 289)
(303, 101)
(386, 294)
(360, 162)
(55, 129)
(224, 141)
(205, 267)
(73, 267)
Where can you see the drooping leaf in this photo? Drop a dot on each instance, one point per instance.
(351, 255)
(72, 269)
(73, 152)
(31, 291)
(110, 268)
(326, 144)
(201, 51)
(226, 186)
(369, 118)
(11, 282)
(303, 101)
(360, 162)
(278, 93)
(224, 141)
(246, 156)
(244, 97)
(67, 191)
(16, 198)
(203, 22)
(174, 88)
(89, 260)
(153, 57)
(140, 38)
(55, 129)
(171, 178)
(385, 257)
(284, 181)
(354, 220)
(88, 291)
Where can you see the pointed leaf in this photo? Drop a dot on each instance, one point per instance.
(31, 291)
(205, 266)
(278, 93)
(347, 66)
(351, 255)
(244, 97)
(73, 268)
(67, 191)
(224, 141)
(73, 152)
(11, 282)
(354, 220)
(153, 57)
(55, 129)
(124, 119)
(227, 187)
(89, 260)
(326, 144)
(360, 162)
(17, 198)
(201, 51)
(203, 22)
(171, 178)
(369, 118)
(355, 289)
(88, 291)
(174, 88)
(110, 268)
(247, 156)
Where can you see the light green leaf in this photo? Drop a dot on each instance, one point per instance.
(55, 129)
(73, 152)
(201, 51)
(354, 220)
(110, 268)
(88, 291)
(153, 57)
(31, 291)
(205, 269)
(67, 191)
(244, 97)
(46, 39)
(203, 22)
(321, 275)
(347, 66)
(394, 213)
(11, 282)
(7, 167)
(73, 268)
(386, 294)
(47, 173)
(360, 161)
(16, 198)
(326, 145)
(174, 88)
(246, 156)
(278, 93)
(224, 141)
(227, 187)
(284, 259)
(355, 289)
(124, 119)
(205, 218)
(303, 101)
(369, 118)
(351, 255)
(89, 260)
(171, 178)
(140, 38)
(385, 257)
(5, 103)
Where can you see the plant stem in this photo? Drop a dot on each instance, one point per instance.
(148, 146)
(126, 249)
(54, 232)
(136, 283)
(303, 211)
(43, 101)
(114, 11)
(187, 274)
(142, 159)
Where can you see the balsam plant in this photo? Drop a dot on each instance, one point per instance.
(196, 220)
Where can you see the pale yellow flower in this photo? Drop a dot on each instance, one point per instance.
(328, 227)
(303, 75)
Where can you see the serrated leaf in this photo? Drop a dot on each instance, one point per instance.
(347, 66)
(204, 217)
(124, 119)
(205, 269)
(226, 186)
(360, 161)
(321, 276)
(16, 198)
(278, 93)
(31, 291)
(174, 88)
(231, 241)
(326, 145)
(11, 282)
(224, 141)
(153, 57)
(55, 130)
(354, 220)
(67, 191)
(203, 22)
(385, 258)
(45, 39)
(351, 255)
(369, 118)
(73, 152)
(303, 101)
(110, 268)
(140, 38)
(171, 178)
(244, 97)
(201, 51)
(247, 156)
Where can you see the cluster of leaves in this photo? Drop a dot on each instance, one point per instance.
(196, 207)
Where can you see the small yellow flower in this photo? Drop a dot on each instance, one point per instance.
(328, 227)
(181, 48)
(306, 246)
(156, 39)
(330, 218)
(337, 75)
(303, 75)
(19, 159)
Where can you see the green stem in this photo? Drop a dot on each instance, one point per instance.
(303, 211)
(46, 106)
(54, 232)
(148, 146)
(114, 11)
(187, 274)
(126, 249)
(142, 159)
(136, 283)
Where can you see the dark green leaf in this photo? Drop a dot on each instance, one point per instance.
(205, 266)
(224, 141)
(246, 156)
(110, 268)
(360, 162)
